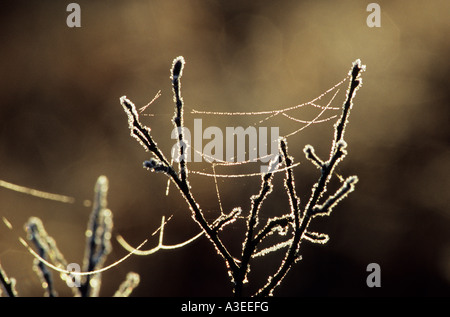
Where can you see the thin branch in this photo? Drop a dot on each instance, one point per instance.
(355, 83)
(298, 224)
(249, 244)
(315, 237)
(347, 187)
(139, 131)
(9, 284)
(224, 220)
(272, 224)
(338, 146)
(311, 155)
(176, 73)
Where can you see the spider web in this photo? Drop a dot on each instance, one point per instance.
(323, 102)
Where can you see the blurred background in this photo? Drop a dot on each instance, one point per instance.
(62, 126)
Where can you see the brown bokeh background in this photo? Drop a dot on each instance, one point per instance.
(61, 126)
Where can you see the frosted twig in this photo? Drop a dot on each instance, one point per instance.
(250, 244)
(46, 247)
(294, 202)
(7, 283)
(278, 222)
(272, 248)
(98, 235)
(131, 282)
(347, 187)
(312, 207)
(224, 219)
(176, 73)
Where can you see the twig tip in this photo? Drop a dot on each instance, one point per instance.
(177, 68)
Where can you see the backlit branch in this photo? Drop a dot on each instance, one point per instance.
(296, 221)
(313, 208)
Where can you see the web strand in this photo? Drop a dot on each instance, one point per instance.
(37, 193)
(217, 188)
(242, 175)
(271, 112)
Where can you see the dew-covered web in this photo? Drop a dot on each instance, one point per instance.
(264, 116)
(324, 102)
(267, 115)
